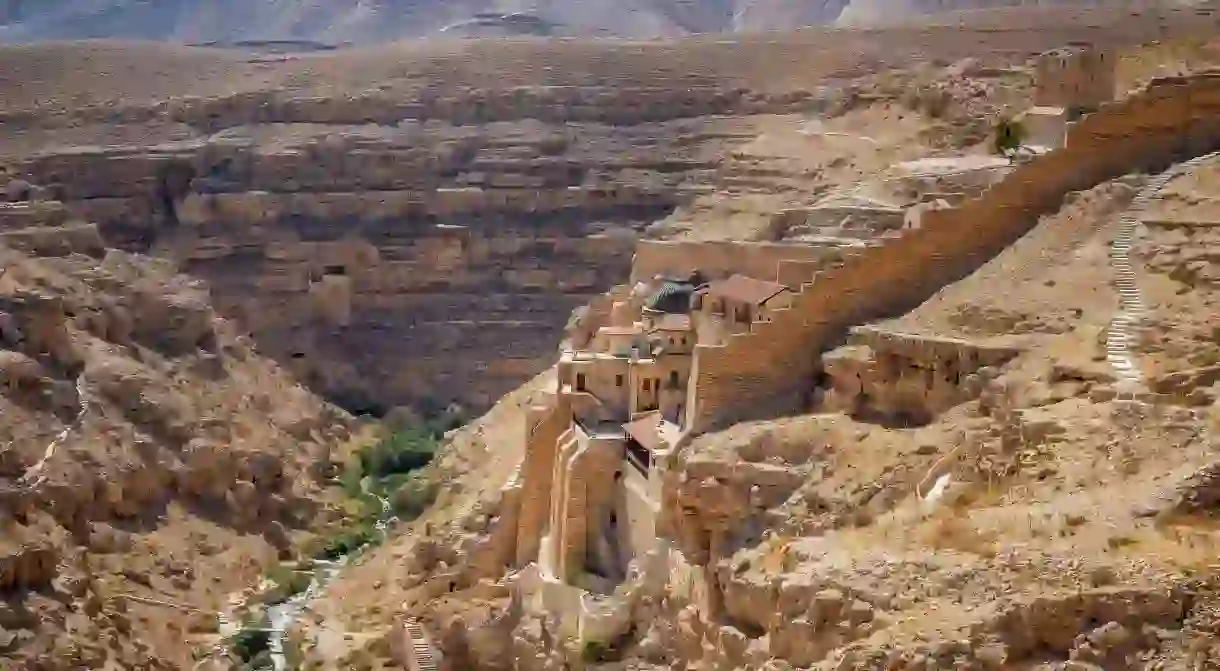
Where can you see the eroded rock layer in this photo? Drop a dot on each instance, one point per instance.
(456, 252)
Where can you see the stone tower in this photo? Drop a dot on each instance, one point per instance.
(1075, 77)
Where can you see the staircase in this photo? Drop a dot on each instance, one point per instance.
(420, 653)
(1124, 326)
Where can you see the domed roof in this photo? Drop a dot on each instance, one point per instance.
(673, 297)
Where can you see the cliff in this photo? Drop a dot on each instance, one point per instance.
(422, 263)
(152, 461)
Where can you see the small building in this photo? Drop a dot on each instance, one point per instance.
(1078, 78)
(671, 333)
(1045, 127)
(729, 306)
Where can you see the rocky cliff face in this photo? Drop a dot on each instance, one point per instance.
(151, 460)
(455, 249)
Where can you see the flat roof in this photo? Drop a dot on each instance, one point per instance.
(646, 431)
(672, 322)
(746, 289)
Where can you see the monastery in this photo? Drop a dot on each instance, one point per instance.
(631, 379)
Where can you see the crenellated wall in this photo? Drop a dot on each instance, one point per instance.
(768, 371)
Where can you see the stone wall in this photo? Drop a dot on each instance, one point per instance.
(548, 424)
(906, 379)
(1075, 77)
(717, 259)
(768, 371)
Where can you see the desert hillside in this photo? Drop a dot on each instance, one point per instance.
(153, 464)
(744, 352)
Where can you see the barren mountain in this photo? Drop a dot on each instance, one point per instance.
(377, 20)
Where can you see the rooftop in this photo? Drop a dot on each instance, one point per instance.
(746, 289)
(646, 430)
(672, 322)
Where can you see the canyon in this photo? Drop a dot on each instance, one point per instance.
(423, 243)
(781, 369)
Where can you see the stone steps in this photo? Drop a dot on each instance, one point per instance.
(1121, 334)
(421, 650)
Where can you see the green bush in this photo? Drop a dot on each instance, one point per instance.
(593, 651)
(290, 582)
(250, 643)
(403, 451)
(1009, 136)
(347, 541)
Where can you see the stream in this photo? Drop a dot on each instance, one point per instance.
(283, 615)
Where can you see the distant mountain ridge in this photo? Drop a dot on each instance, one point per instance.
(365, 21)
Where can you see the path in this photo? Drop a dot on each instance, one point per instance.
(1124, 327)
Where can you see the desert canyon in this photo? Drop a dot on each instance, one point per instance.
(736, 351)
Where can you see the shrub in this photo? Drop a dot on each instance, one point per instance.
(401, 452)
(593, 651)
(347, 541)
(1008, 137)
(289, 582)
(250, 643)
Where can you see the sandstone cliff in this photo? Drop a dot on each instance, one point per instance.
(149, 454)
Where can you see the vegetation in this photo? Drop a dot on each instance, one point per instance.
(347, 541)
(290, 582)
(249, 644)
(593, 651)
(1008, 136)
(387, 469)
(401, 452)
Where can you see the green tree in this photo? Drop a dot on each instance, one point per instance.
(1008, 136)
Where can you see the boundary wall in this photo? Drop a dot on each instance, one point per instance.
(537, 472)
(721, 258)
(766, 372)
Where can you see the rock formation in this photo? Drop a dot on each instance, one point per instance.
(147, 451)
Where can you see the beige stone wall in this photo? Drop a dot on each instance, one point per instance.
(537, 472)
(717, 259)
(1075, 78)
(768, 371)
(583, 500)
(1045, 126)
(637, 513)
(904, 378)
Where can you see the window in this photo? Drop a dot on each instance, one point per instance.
(696, 302)
(673, 378)
(646, 384)
(334, 270)
(618, 380)
(743, 315)
(580, 382)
